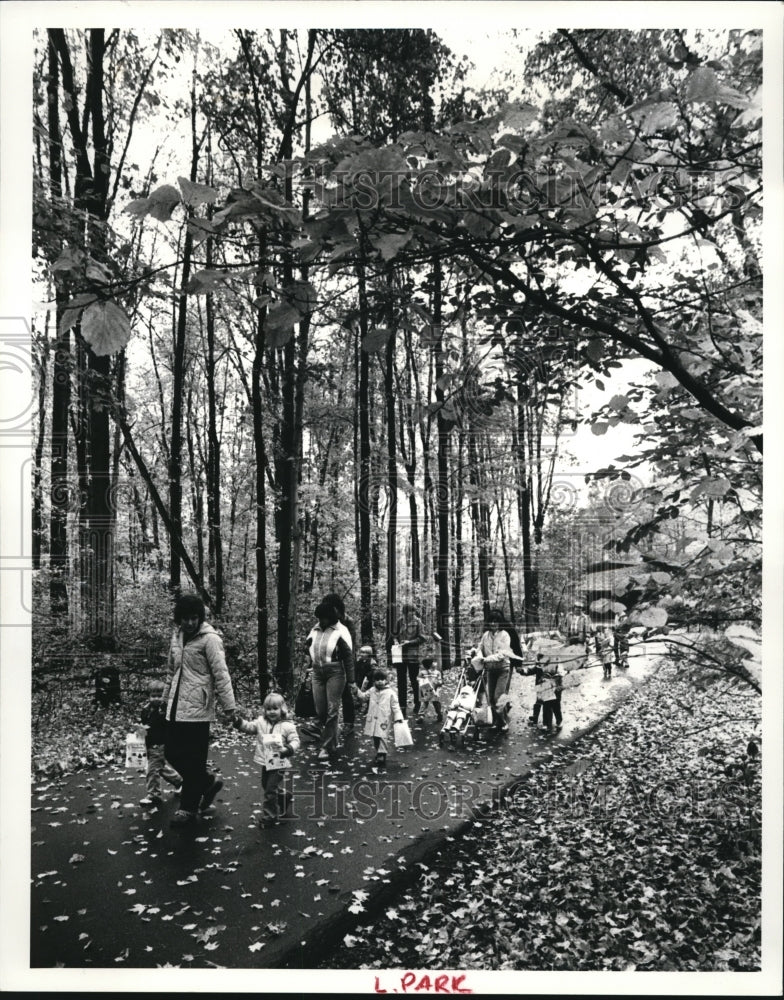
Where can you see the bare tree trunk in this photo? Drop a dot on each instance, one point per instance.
(262, 615)
(61, 379)
(178, 377)
(524, 510)
(215, 541)
(197, 496)
(41, 359)
(389, 394)
(479, 520)
(458, 496)
(408, 454)
(442, 492)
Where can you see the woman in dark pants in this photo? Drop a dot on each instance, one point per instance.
(349, 634)
(197, 675)
(408, 632)
(332, 668)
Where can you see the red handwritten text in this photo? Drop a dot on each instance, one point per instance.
(411, 982)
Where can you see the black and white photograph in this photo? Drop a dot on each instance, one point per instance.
(384, 597)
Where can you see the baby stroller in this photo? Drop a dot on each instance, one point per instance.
(464, 716)
(459, 719)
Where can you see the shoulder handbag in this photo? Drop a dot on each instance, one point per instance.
(304, 706)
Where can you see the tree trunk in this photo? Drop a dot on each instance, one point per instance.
(524, 511)
(442, 492)
(288, 457)
(459, 555)
(61, 379)
(364, 477)
(408, 453)
(262, 614)
(215, 541)
(197, 496)
(479, 521)
(41, 358)
(389, 395)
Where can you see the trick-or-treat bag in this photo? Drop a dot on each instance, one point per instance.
(403, 737)
(272, 744)
(135, 752)
(483, 715)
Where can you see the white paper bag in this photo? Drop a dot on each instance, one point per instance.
(403, 737)
(546, 690)
(135, 752)
(272, 744)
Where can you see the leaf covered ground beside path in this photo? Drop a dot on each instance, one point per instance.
(636, 848)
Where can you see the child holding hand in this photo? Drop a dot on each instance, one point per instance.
(153, 718)
(276, 743)
(383, 714)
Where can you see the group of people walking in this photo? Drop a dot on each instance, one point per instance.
(179, 712)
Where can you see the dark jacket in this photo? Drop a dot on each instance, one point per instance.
(154, 717)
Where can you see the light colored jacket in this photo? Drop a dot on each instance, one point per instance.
(263, 727)
(496, 648)
(199, 667)
(383, 711)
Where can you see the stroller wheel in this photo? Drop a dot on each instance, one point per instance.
(441, 739)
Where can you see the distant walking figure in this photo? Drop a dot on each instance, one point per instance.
(408, 631)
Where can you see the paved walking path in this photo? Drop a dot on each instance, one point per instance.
(113, 886)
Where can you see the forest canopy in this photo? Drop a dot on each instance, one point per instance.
(322, 317)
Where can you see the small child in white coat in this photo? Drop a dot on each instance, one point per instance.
(383, 713)
(276, 743)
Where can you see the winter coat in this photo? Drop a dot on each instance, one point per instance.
(263, 727)
(199, 668)
(383, 712)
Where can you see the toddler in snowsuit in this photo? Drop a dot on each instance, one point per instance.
(153, 717)
(460, 709)
(276, 743)
(383, 714)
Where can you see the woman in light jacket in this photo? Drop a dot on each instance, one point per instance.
(496, 651)
(198, 676)
(331, 661)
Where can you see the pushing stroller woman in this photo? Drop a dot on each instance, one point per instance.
(495, 651)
